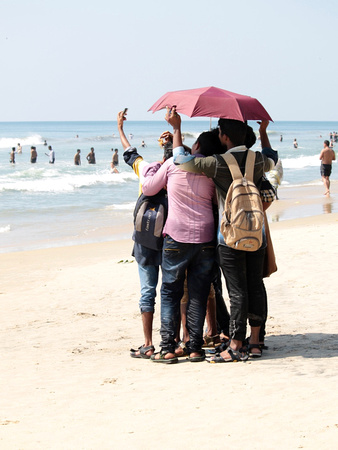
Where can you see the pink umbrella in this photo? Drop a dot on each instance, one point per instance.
(213, 102)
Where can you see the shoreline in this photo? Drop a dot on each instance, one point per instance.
(295, 202)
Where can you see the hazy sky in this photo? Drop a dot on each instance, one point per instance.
(86, 60)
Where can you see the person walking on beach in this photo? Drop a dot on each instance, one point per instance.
(51, 155)
(34, 155)
(91, 156)
(243, 270)
(77, 158)
(12, 156)
(327, 155)
(148, 259)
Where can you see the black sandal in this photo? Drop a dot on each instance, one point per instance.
(254, 355)
(235, 356)
(142, 352)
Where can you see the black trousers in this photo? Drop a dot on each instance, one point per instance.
(243, 272)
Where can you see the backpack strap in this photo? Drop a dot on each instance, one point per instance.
(234, 167)
(250, 165)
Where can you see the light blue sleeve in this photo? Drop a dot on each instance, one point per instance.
(181, 156)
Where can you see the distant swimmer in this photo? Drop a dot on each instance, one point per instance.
(143, 144)
(281, 138)
(45, 142)
(51, 155)
(19, 148)
(295, 143)
(34, 155)
(12, 156)
(327, 155)
(77, 158)
(131, 136)
(91, 157)
(115, 161)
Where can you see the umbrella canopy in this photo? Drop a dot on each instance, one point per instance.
(213, 102)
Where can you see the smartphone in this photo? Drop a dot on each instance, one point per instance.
(170, 110)
(125, 111)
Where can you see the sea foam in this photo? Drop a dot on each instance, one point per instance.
(9, 142)
(5, 229)
(58, 180)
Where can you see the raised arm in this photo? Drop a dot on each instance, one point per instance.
(174, 120)
(271, 156)
(263, 133)
(120, 119)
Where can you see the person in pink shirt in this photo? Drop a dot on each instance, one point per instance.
(189, 245)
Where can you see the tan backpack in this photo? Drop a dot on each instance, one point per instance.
(243, 218)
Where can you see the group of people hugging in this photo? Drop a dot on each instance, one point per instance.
(194, 252)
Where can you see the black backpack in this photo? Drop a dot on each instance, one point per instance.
(150, 214)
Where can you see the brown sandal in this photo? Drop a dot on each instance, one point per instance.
(211, 341)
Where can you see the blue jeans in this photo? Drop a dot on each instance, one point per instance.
(197, 260)
(148, 279)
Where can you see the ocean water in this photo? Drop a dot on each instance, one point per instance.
(44, 205)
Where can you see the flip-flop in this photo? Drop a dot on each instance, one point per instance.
(162, 358)
(142, 352)
(198, 358)
(235, 355)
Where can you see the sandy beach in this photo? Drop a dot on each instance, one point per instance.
(70, 316)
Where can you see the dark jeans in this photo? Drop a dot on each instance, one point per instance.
(243, 272)
(222, 314)
(262, 330)
(197, 260)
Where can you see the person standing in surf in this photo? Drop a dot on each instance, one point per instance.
(327, 155)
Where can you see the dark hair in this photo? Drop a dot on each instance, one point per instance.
(167, 150)
(209, 143)
(327, 143)
(234, 129)
(250, 138)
